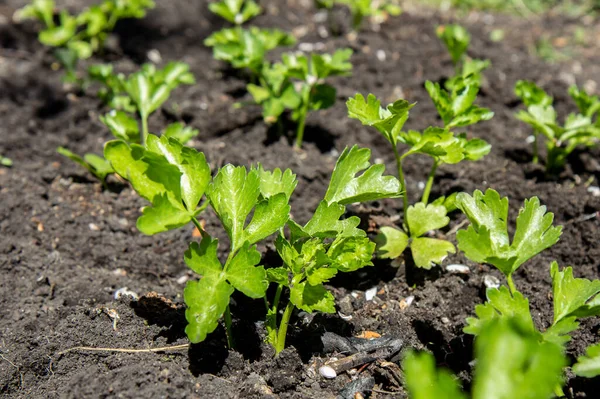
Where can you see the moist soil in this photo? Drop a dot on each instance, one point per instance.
(67, 244)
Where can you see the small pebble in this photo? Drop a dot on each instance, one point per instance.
(380, 54)
(94, 227)
(421, 185)
(491, 281)
(121, 292)
(370, 293)
(445, 320)
(594, 190)
(530, 139)
(327, 372)
(462, 269)
(154, 56)
(183, 279)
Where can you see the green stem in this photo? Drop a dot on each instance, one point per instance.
(401, 177)
(430, 178)
(511, 284)
(303, 115)
(228, 329)
(558, 391)
(144, 128)
(282, 333)
(535, 148)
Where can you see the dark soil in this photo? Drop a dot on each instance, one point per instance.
(66, 245)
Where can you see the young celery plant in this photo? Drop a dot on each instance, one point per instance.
(310, 74)
(456, 39)
(443, 146)
(174, 178)
(378, 10)
(77, 37)
(314, 253)
(486, 239)
(236, 12)
(579, 129)
(143, 91)
(124, 93)
(247, 48)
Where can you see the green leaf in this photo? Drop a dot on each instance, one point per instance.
(276, 181)
(391, 242)
(202, 258)
(269, 216)
(571, 295)
(422, 218)
(388, 121)
(456, 39)
(180, 132)
(97, 166)
(206, 300)
(245, 276)
(486, 239)
(322, 96)
(233, 194)
(510, 357)
(500, 304)
(531, 94)
(326, 222)
(558, 333)
(174, 74)
(348, 254)
(163, 215)
(429, 251)
(312, 298)
(321, 275)
(42, 10)
(278, 275)
(61, 34)
(326, 65)
(192, 165)
(424, 381)
(589, 365)
(345, 187)
(122, 126)
(588, 105)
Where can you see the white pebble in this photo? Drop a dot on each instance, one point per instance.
(409, 300)
(462, 269)
(491, 281)
(306, 47)
(154, 56)
(421, 185)
(94, 227)
(344, 317)
(370, 293)
(530, 139)
(183, 279)
(121, 292)
(327, 372)
(594, 190)
(380, 54)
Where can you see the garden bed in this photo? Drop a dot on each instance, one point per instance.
(67, 244)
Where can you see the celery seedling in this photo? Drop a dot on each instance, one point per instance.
(77, 37)
(235, 11)
(499, 373)
(379, 10)
(456, 39)
(247, 48)
(314, 253)
(143, 91)
(443, 146)
(578, 129)
(311, 73)
(486, 239)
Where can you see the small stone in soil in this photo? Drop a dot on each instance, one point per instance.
(491, 281)
(462, 269)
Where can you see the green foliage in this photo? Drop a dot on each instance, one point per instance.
(456, 107)
(487, 240)
(142, 92)
(4, 161)
(579, 129)
(444, 147)
(420, 219)
(235, 11)
(378, 10)
(247, 48)
(509, 356)
(314, 253)
(297, 83)
(589, 365)
(96, 165)
(77, 37)
(166, 173)
(456, 39)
